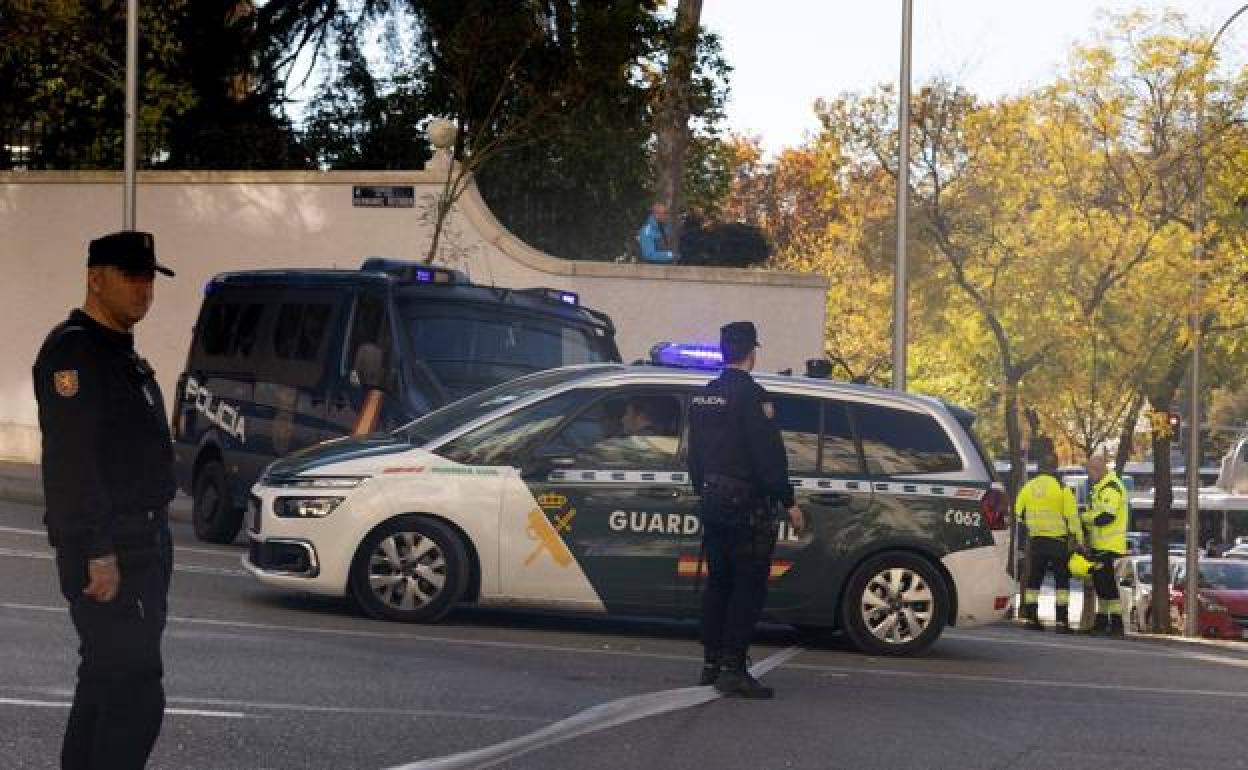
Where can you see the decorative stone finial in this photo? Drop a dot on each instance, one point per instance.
(441, 135)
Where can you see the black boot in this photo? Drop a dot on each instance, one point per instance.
(1063, 620)
(1100, 626)
(1032, 613)
(1116, 629)
(735, 681)
(711, 666)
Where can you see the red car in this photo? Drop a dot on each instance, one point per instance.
(1223, 598)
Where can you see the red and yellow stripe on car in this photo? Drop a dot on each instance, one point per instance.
(687, 567)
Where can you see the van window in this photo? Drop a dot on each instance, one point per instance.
(227, 334)
(369, 325)
(300, 330)
(896, 441)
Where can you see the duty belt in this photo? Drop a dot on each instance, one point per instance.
(729, 485)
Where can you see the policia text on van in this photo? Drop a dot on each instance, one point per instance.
(281, 359)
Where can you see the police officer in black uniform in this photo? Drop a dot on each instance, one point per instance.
(108, 479)
(737, 464)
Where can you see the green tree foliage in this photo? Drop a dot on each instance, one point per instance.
(208, 95)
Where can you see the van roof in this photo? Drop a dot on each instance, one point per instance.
(541, 301)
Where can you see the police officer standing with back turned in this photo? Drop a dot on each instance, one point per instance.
(737, 464)
(108, 479)
(1047, 508)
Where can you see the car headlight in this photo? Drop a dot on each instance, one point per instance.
(317, 482)
(305, 507)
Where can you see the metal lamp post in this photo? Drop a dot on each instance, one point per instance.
(1191, 614)
(130, 152)
(903, 195)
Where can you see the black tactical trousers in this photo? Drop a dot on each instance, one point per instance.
(1106, 585)
(119, 701)
(738, 565)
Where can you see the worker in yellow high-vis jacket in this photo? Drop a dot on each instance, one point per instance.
(1047, 508)
(1105, 526)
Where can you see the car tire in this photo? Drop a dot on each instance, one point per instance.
(896, 603)
(411, 569)
(215, 518)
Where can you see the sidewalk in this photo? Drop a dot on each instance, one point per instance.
(23, 483)
(1048, 617)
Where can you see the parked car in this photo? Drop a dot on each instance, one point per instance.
(1222, 598)
(1238, 552)
(1135, 586)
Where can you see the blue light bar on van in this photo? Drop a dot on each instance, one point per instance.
(687, 355)
(413, 272)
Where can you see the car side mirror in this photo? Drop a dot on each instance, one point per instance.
(369, 368)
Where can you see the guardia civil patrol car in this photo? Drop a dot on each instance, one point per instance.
(282, 359)
(567, 490)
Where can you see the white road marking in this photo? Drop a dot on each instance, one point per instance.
(56, 692)
(600, 717)
(1005, 680)
(232, 554)
(176, 711)
(192, 568)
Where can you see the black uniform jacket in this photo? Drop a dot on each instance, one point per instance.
(107, 452)
(731, 434)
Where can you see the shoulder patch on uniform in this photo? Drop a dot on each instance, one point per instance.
(66, 382)
(769, 409)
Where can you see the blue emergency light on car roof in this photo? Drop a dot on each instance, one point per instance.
(686, 355)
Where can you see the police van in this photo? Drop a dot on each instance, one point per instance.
(281, 359)
(567, 490)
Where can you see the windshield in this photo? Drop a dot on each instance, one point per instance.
(470, 348)
(1229, 576)
(448, 418)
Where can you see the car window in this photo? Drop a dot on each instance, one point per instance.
(839, 451)
(504, 440)
(638, 431)
(450, 417)
(798, 422)
(896, 441)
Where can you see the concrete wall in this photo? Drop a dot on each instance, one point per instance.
(209, 222)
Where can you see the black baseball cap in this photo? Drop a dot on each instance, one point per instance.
(739, 335)
(131, 250)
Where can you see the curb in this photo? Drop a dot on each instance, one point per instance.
(1233, 645)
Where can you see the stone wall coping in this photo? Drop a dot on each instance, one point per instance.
(470, 203)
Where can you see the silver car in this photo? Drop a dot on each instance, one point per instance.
(1135, 586)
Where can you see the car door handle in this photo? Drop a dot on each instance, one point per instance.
(659, 493)
(830, 498)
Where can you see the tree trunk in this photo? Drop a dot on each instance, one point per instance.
(1126, 439)
(1014, 439)
(673, 124)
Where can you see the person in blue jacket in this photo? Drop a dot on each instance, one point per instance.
(653, 237)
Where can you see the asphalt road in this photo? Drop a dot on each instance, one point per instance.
(259, 679)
